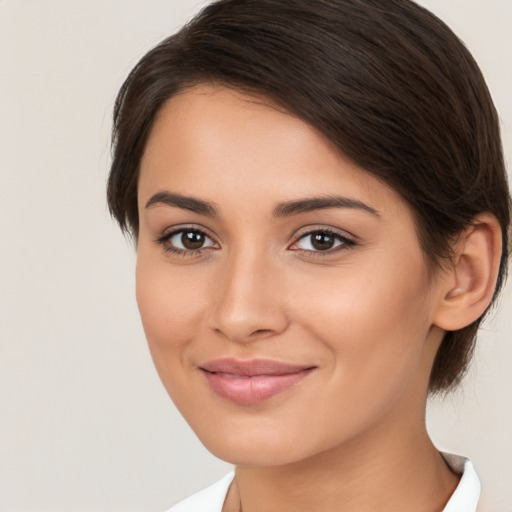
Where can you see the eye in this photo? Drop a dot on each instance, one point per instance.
(186, 241)
(322, 240)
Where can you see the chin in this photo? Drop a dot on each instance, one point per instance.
(250, 453)
(253, 441)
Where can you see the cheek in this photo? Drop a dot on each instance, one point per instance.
(373, 323)
(364, 298)
(170, 308)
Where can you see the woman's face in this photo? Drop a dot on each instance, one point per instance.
(282, 289)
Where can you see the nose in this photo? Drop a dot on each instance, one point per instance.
(248, 298)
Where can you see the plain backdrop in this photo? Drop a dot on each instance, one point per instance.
(85, 424)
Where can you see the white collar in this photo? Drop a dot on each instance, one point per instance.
(467, 494)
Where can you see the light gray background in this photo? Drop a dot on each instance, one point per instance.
(85, 425)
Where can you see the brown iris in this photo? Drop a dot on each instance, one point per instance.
(192, 240)
(322, 241)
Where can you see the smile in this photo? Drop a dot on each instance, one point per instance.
(251, 382)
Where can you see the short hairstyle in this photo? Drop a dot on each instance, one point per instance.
(387, 82)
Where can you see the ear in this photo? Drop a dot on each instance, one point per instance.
(469, 283)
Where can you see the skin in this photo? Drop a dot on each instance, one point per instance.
(367, 314)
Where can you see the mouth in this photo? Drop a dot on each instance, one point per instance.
(254, 381)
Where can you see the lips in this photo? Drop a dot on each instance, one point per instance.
(254, 381)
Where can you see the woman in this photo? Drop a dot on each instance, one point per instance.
(319, 201)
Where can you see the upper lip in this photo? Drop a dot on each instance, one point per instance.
(253, 367)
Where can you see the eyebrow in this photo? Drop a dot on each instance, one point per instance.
(184, 202)
(285, 209)
(321, 203)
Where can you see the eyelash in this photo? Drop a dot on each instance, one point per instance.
(345, 242)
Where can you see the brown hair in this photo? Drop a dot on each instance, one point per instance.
(387, 82)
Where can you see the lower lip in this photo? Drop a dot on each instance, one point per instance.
(255, 389)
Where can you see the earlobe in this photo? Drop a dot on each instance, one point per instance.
(471, 280)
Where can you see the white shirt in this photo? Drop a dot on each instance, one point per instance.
(464, 499)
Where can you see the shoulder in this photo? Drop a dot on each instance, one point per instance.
(209, 499)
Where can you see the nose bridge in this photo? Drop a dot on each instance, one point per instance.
(248, 296)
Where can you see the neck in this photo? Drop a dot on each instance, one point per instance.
(381, 470)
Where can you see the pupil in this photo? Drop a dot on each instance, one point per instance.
(322, 241)
(192, 240)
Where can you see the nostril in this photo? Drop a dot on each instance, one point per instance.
(261, 332)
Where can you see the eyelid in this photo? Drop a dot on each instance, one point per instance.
(184, 227)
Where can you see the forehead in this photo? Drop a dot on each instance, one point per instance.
(215, 141)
